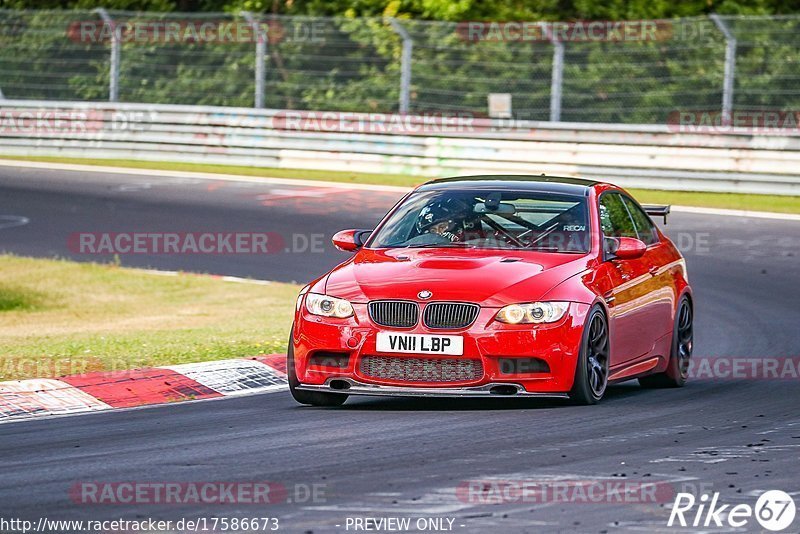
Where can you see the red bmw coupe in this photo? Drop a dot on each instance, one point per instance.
(497, 286)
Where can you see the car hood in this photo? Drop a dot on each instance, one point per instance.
(488, 277)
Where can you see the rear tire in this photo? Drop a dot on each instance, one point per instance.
(591, 371)
(681, 353)
(312, 398)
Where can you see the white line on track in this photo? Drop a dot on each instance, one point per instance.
(12, 221)
(201, 176)
(738, 213)
(224, 278)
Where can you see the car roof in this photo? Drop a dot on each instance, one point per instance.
(513, 182)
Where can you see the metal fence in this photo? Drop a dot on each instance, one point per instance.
(634, 72)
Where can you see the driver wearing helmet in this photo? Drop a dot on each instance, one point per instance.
(445, 218)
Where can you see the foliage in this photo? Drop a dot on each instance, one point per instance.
(350, 60)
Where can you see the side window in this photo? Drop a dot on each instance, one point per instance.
(614, 218)
(644, 226)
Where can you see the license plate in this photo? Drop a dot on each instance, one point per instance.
(420, 344)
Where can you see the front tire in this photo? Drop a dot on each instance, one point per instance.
(591, 371)
(312, 398)
(682, 342)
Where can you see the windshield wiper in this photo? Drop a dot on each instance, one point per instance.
(441, 245)
(543, 248)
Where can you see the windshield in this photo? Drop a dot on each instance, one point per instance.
(488, 219)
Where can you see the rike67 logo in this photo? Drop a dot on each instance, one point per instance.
(774, 511)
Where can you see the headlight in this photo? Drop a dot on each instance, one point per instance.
(535, 312)
(328, 306)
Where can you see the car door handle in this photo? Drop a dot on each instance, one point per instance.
(654, 270)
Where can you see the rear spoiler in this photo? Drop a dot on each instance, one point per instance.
(657, 210)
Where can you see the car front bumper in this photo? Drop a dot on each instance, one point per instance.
(486, 341)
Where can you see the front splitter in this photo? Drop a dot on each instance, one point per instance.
(349, 386)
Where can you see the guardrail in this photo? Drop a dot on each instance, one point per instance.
(644, 156)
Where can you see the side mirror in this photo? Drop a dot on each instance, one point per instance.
(350, 240)
(628, 248)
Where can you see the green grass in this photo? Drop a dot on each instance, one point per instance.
(59, 317)
(734, 201)
(20, 298)
(776, 203)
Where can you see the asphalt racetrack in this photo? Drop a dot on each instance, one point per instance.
(410, 458)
